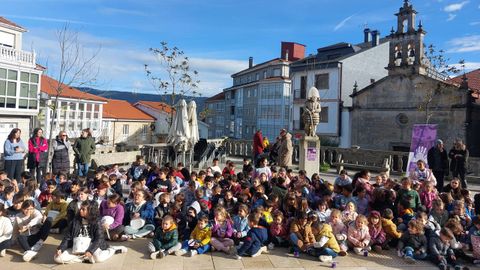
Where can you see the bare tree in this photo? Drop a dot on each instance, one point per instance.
(178, 79)
(76, 67)
(439, 68)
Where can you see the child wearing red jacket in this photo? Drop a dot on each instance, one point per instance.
(278, 231)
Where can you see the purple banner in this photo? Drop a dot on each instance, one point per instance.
(423, 138)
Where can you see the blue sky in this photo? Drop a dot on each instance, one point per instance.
(220, 35)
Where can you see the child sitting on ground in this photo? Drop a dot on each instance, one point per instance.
(278, 231)
(199, 241)
(440, 251)
(255, 240)
(240, 224)
(378, 239)
(413, 244)
(222, 232)
(339, 230)
(358, 235)
(165, 240)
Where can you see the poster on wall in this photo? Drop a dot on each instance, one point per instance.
(311, 154)
(423, 138)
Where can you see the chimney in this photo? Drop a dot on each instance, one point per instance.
(366, 35)
(375, 38)
(250, 62)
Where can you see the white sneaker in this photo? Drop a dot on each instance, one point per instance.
(29, 255)
(264, 250)
(238, 257)
(3, 252)
(154, 255)
(180, 252)
(325, 258)
(37, 246)
(192, 253)
(257, 253)
(271, 246)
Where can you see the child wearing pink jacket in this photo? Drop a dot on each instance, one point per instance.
(358, 235)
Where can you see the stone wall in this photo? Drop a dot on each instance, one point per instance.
(385, 112)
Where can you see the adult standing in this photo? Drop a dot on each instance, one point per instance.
(257, 146)
(37, 154)
(459, 158)
(84, 148)
(438, 162)
(14, 153)
(285, 151)
(61, 157)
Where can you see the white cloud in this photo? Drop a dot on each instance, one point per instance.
(118, 11)
(455, 7)
(451, 16)
(474, 23)
(468, 65)
(121, 65)
(44, 19)
(465, 44)
(343, 22)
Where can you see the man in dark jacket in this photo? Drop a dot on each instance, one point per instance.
(84, 147)
(438, 163)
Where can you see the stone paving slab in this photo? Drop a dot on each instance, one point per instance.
(137, 259)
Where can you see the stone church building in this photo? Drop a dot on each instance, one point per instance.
(384, 112)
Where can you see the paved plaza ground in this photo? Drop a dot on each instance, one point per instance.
(137, 259)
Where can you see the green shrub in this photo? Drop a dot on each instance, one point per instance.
(324, 167)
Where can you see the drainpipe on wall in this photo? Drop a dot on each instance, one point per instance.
(340, 103)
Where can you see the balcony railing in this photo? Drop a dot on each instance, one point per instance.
(17, 56)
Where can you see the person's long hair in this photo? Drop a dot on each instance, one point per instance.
(35, 132)
(93, 211)
(11, 136)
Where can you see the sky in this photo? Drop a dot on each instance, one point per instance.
(219, 36)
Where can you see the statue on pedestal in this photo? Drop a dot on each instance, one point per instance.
(311, 113)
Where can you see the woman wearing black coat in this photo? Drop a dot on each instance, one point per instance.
(86, 223)
(61, 156)
(458, 161)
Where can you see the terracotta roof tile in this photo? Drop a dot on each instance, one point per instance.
(217, 97)
(5, 21)
(158, 106)
(121, 109)
(49, 85)
(473, 80)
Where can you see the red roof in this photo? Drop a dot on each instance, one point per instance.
(158, 106)
(5, 21)
(473, 80)
(217, 97)
(121, 109)
(49, 86)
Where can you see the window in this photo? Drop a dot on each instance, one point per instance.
(303, 87)
(324, 115)
(18, 91)
(257, 76)
(264, 74)
(276, 72)
(144, 132)
(321, 81)
(125, 131)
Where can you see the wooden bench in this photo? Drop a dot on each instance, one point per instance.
(362, 160)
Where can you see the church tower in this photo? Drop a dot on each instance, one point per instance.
(407, 51)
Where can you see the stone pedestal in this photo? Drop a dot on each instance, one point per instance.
(310, 154)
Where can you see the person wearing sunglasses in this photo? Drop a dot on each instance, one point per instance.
(61, 157)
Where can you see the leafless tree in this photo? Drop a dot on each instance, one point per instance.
(177, 78)
(76, 66)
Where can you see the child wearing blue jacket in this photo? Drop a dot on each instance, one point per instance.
(256, 239)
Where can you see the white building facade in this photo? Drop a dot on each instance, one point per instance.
(334, 71)
(19, 82)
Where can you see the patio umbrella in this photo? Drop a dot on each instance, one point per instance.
(179, 133)
(193, 123)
